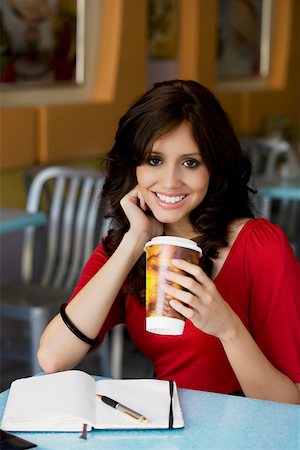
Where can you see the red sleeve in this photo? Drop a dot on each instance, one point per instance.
(117, 313)
(275, 297)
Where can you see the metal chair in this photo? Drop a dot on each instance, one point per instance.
(274, 160)
(270, 157)
(70, 198)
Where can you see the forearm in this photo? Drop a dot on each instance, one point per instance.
(59, 348)
(257, 376)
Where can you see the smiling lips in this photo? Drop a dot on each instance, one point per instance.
(170, 199)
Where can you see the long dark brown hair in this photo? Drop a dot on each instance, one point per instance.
(157, 112)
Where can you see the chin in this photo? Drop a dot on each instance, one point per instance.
(165, 218)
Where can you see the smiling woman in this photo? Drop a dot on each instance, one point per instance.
(177, 168)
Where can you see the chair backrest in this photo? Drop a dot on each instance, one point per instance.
(269, 156)
(71, 199)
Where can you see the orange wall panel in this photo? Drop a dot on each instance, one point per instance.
(18, 139)
(77, 131)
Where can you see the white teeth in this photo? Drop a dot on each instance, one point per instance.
(167, 199)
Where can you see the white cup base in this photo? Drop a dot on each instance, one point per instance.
(164, 325)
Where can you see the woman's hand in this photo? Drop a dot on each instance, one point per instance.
(202, 303)
(135, 209)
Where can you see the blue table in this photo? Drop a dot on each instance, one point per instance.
(279, 189)
(12, 220)
(212, 421)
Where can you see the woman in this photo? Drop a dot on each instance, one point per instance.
(177, 168)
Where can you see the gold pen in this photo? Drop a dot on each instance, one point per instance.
(123, 409)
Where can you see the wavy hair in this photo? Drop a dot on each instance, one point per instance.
(159, 111)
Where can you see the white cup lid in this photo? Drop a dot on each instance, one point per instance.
(174, 240)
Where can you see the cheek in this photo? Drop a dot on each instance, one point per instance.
(200, 182)
(144, 177)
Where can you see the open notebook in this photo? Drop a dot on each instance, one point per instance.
(65, 401)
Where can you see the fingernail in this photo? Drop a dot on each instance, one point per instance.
(176, 261)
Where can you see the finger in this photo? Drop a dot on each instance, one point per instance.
(130, 197)
(204, 292)
(179, 294)
(142, 201)
(192, 269)
(184, 281)
(189, 313)
(133, 195)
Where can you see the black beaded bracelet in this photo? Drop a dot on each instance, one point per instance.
(75, 330)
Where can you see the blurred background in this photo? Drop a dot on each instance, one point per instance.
(70, 68)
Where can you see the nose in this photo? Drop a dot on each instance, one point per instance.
(171, 177)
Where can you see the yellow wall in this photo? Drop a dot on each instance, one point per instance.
(247, 103)
(283, 101)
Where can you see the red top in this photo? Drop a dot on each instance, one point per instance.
(260, 280)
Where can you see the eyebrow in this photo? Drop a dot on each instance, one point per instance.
(191, 155)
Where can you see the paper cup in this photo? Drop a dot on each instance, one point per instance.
(161, 318)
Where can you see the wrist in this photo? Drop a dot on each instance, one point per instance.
(134, 243)
(232, 333)
(137, 238)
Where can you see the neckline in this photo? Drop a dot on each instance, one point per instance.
(233, 249)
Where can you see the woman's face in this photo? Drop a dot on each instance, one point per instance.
(173, 180)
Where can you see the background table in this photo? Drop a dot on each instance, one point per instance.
(279, 201)
(276, 189)
(212, 421)
(12, 220)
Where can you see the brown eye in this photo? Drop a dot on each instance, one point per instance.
(154, 161)
(191, 163)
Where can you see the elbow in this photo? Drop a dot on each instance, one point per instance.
(49, 363)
